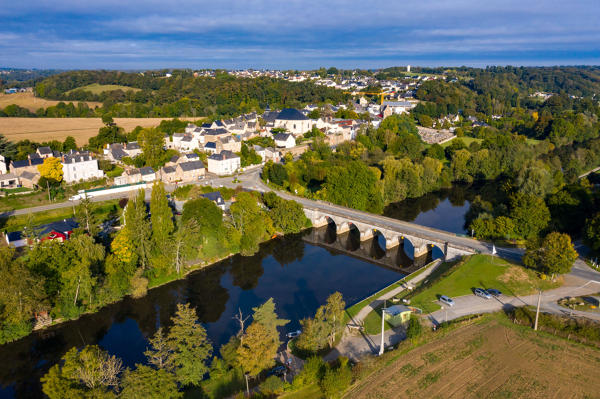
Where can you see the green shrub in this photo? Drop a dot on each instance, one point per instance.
(335, 381)
(312, 372)
(10, 332)
(273, 385)
(414, 328)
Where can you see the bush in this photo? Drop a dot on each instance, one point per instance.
(335, 381)
(414, 328)
(273, 385)
(10, 332)
(312, 372)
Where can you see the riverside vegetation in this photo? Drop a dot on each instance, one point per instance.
(92, 269)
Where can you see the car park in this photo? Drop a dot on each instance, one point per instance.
(446, 300)
(480, 292)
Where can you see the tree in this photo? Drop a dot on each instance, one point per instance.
(146, 382)
(78, 280)
(51, 169)
(592, 232)
(189, 345)
(161, 218)
(258, 348)
(277, 174)
(84, 212)
(123, 248)
(184, 242)
(69, 144)
(555, 255)
(414, 328)
(288, 216)
(152, 142)
(21, 296)
(353, 185)
(311, 373)
(529, 213)
(90, 372)
(251, 221)
(159, 352)
(327, 324)
(108, 134)
(138, 226)
(265, 315)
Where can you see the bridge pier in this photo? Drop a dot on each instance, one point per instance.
(421, 250)
(366, 235)
(391, 242)
(342, 228)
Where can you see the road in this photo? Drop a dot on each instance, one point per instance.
(579, 282)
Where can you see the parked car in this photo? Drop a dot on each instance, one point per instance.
(446, 300)
(494, 292)
(294, 334)
(480, 292)
(277, 370)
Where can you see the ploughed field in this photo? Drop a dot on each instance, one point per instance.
(487, 360)
(46, 129)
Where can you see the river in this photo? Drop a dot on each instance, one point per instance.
(298, 271)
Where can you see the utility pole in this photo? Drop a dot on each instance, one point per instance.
(382, 347)
(537, 313)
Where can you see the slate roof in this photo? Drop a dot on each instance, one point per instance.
(223, 156)
(192, 156)
(215, 196)
(291, 114)
(74, 157)
(211, 145)
(63, 226)
(282, 136)
(132, 146)
(44, 150)
(216, 132)
(169, 169)
(270, 116)
(25, 163)
(192, 165)
(146, 170)
(28, 175)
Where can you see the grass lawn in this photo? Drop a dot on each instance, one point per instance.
(308, 392)
(372, 322)
(96, 88)
(482, 271)
(465, 139)
(14, 223)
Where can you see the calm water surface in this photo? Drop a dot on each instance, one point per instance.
(299, 272)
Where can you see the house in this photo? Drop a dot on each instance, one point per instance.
(148, 174)
(230, 143)
(260, 151)
(60, 231)
(168, 174)
(45, 152)
(28, 165)
(29, 179)
(80, 166)
(399, 314)
(130, 176)
(9, 180)
(210, 147)
(284, 140)
(272, 154)
(190, 171)
(397, 107)
(293, 121)
(215, 134)
(3, 166)
(215, 197)
(224, 163)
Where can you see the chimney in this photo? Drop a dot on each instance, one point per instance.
(29, 159)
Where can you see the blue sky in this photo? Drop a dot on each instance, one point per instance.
(133, 34)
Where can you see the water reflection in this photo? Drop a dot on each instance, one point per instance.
(298, 275)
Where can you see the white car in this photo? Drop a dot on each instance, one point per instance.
(294, 334)
(446, 300)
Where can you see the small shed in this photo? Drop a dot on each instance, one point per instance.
(398, 314)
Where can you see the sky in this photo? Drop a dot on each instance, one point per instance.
(290, 34)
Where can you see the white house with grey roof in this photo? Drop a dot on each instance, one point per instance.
(285, 140)
(224, 163)
(293, 121)
(80, 166)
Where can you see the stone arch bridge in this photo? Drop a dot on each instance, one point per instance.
(395, 232)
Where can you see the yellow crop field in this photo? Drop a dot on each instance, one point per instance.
(27, 100)
(46, 129)
(96, 88)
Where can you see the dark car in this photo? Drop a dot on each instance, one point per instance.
(278, 371)
(494, 292)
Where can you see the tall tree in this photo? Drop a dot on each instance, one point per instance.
(84, 212)
(51, 169)
(189, 345)
(258, 348)
(159, 352)
(555, 255)
(138, 226)
(152, 142)
(161, 216)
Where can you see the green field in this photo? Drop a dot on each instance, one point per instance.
(96, 88)
(483, 271)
